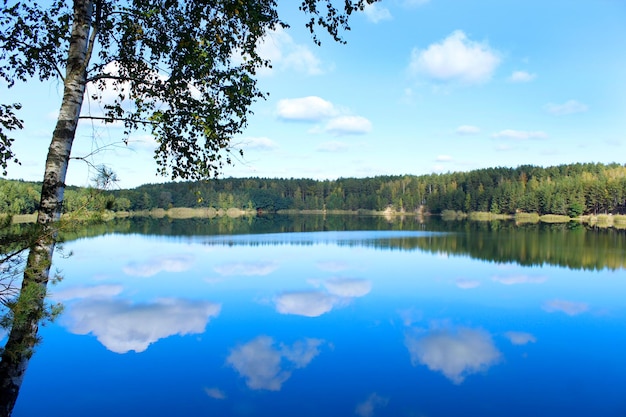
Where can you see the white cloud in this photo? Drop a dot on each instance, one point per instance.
(301, 59)
(306, 303)
(443, 158)
(314, 303)
(259, 363)
(155, 265)
(302, 352)
(520, 338)
(519, 279)
(309, 109)
(316, 109)
(522, 77)
(348, 287)
(246, 268)
(109, 91)
(122, 326)
(519, 134)
(569, 107)
(456, 58)
(367, 407)
(376, 13)
(332, 146)
(571, 308)
(349, 125)
(455, 353)
(259, 143)
(467, 130)
(266, 367)
(285, 54)
(142, 142)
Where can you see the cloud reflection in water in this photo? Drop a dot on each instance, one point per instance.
(571, 308)
(154, 265)
(246, 268)
(122, 326)
(519, 279)
(314, 303)
(306, 303)
(348, 287)
(520, 338)
(266, 367)
(456, 353)
(367, 407)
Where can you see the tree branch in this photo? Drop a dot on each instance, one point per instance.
(118, 119)
(116, 78)
(94, 33)
(58, 70)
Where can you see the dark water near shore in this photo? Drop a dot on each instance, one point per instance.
(336, 316)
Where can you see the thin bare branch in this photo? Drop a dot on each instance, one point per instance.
(118, 119)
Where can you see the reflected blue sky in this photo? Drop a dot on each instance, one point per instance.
(305, 324)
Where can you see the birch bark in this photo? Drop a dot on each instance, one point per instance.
(30, 305)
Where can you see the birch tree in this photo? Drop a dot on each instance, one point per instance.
(182, 69)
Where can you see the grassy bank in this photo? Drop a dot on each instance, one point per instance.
(188, 213)
(601, 220)
(173, 213)
(606, 220)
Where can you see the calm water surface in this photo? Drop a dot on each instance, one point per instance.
(211, 318)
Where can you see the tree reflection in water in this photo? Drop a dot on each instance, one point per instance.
(24, 308)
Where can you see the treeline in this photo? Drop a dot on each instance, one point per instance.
(22, 197)
(572, 189)
(564, 245)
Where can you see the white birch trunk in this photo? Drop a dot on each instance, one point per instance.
(28, 312)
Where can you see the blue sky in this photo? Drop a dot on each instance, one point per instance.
(421, 86)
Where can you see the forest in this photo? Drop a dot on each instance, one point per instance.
(571, 189)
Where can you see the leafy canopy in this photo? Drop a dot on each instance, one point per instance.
(183, 69)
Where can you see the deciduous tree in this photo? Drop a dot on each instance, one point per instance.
(182, 69)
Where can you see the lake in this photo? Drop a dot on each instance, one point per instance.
(335, 316)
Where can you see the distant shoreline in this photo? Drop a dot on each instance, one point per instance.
(599, 220)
